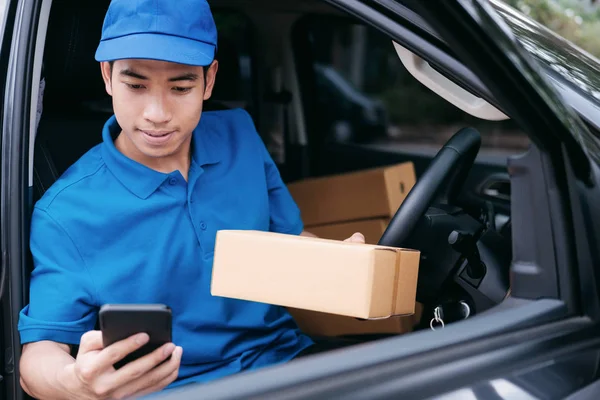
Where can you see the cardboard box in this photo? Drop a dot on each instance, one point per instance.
(331, 276)
(322, 324)
(372, 193)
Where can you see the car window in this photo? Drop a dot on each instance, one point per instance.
(3, 16)
(578, 68)
(237, 84)
(234, 86)
(365, 95)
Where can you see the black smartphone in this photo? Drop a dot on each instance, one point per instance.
(120, 321)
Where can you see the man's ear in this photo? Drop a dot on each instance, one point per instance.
(106, 69)
(209, 79)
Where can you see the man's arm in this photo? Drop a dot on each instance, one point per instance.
(49, 372)
(62, 309)
(40, 363)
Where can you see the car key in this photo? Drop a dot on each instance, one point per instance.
(450, 312)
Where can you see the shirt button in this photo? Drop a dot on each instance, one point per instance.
(203, 225)
(172, 181)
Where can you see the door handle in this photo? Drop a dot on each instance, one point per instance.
(445, 88)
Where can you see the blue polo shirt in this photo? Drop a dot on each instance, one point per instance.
(111, 230)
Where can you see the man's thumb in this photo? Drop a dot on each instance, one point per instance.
(357, 237)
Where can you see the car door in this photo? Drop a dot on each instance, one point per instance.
(17, 25)
(7, 383)
(542, 341)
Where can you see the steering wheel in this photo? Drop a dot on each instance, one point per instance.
(440, 183)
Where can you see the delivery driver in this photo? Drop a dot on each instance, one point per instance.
(135, 219)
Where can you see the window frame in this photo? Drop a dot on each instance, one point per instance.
(15, 191)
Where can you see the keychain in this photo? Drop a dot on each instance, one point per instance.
(456, 312)
(437, 317)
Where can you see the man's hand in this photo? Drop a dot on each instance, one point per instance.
(357, 237)
(92, 375)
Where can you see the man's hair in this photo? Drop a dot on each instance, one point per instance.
(204, 68)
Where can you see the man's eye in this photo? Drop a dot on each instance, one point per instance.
(134, 87)
(182, 89)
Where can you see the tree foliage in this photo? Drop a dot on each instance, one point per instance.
(576, 20)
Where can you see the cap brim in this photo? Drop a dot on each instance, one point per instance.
(152, 46)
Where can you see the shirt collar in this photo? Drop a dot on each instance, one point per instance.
(207, 143)
(141, 180)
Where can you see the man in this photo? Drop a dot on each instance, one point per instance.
(135, 219)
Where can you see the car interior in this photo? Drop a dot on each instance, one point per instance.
(317, 83)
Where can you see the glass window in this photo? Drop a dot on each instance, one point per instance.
(234, 86)
(364, 95)
(3, 16)
(578, 68)
(578, 21)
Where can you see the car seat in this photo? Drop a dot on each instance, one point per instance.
(76, 105)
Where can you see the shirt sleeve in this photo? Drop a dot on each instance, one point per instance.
(284, 212)
(61, 301)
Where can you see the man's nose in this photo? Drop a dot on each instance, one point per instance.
(157, 110)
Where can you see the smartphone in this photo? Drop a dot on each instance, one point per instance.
(120, 321)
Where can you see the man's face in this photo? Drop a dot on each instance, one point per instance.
(157, 104)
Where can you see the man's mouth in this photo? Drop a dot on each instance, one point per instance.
(156, 138)
(157, 133)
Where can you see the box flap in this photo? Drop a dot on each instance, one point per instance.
(406, 286)
(406, 273)
(384, 275)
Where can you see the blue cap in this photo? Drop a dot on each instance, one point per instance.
(179, 31)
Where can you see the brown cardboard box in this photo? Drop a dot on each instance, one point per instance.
(323, 324)
(372, 193)
(356, 280)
